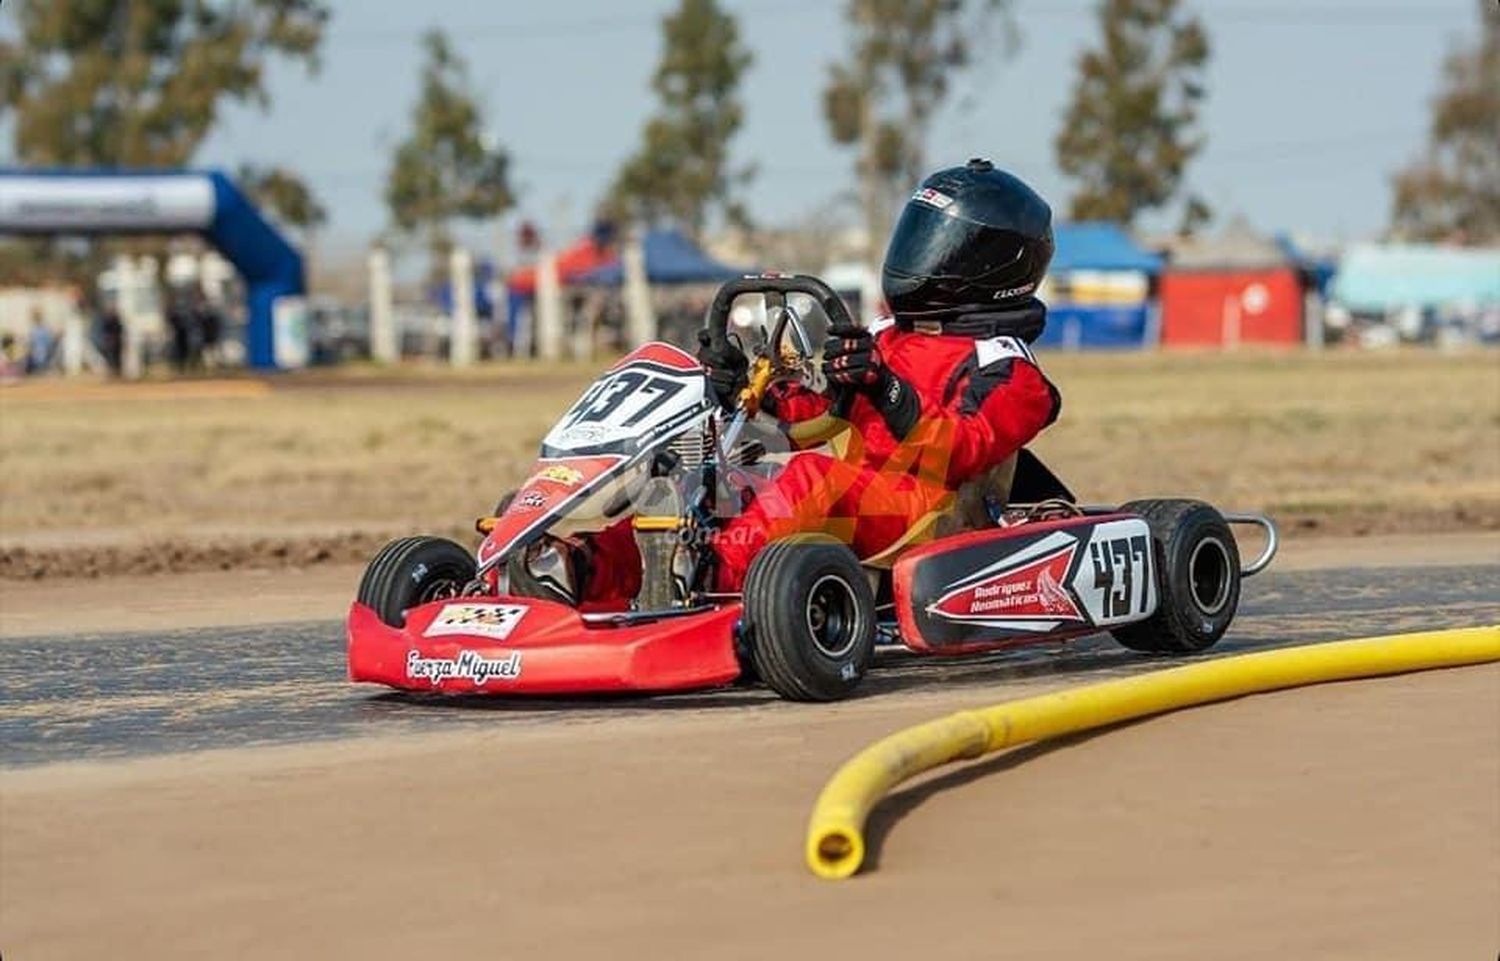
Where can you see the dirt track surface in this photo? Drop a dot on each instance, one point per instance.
(1298, 825)
(1359, 820)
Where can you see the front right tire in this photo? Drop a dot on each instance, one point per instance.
(809, 618)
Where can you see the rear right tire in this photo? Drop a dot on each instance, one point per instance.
(1197, 578)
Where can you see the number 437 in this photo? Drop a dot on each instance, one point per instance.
(1120, 572)
(605, 402)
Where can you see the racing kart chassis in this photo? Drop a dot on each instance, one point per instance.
(1160, 575)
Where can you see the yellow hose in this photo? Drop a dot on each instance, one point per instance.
(835, 832)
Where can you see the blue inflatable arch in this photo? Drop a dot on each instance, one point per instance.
(157, 202)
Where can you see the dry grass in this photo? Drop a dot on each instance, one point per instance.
(325, 453)
(1380, 442)
(1407, 433)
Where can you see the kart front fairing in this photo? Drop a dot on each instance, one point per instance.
(600, 446)
(607, 450)
(589, 463)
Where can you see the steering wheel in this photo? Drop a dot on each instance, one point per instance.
(788, 348)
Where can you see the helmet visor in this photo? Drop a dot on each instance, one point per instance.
(930, 244)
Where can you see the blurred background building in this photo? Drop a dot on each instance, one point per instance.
(376, 181)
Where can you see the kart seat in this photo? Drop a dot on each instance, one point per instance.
(967, 510)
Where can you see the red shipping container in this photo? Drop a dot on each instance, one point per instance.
(1222, 308)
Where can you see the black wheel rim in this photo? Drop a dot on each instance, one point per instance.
(437, 589)
(833, 616)
(1209, 573)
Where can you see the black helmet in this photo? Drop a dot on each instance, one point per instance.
(972, 239)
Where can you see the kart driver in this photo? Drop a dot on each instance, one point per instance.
(945, 390)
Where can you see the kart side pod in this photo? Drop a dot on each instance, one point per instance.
(1036, 582)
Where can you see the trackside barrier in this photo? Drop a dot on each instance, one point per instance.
(835, 832)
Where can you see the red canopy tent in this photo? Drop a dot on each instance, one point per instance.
(572, 262)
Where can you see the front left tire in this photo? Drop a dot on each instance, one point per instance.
(412, 571)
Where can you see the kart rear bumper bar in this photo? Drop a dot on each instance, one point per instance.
(1261, 562)
(1273, 541)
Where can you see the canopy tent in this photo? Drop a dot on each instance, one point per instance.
(1095, 327)
(671, 258)
(1319, 266)
(1096, 245)
(1097, 288)
(1377, 277)
(572, 263)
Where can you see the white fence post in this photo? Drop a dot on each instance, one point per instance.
(72, 353)
(127, 301)
(385, 346)
(1312, 319)
(1229, 335)
(548, 311)
(463, 332)
(871, 296)
(640, 317)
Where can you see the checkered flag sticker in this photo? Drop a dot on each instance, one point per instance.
(495, 621)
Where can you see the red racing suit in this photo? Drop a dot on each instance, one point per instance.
(981, 401)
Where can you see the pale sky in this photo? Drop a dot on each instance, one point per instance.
(1312, 103)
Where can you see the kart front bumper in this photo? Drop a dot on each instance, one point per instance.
(519, 646)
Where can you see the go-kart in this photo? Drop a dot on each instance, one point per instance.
(1013, 560)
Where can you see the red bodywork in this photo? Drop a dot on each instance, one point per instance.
(1061, 608)
(521, 646)
(552, 484)
(551, 650)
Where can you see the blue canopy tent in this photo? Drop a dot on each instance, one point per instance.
(1097, 245)
(1318, 269)
(671, 258)
(1097, 321)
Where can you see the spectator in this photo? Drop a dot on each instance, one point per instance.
(183, 323)
(210, 330)
(11, 366)
(41, 345)
(112, 340)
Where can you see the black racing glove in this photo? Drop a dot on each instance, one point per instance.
(852, 361)
(726, 367)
